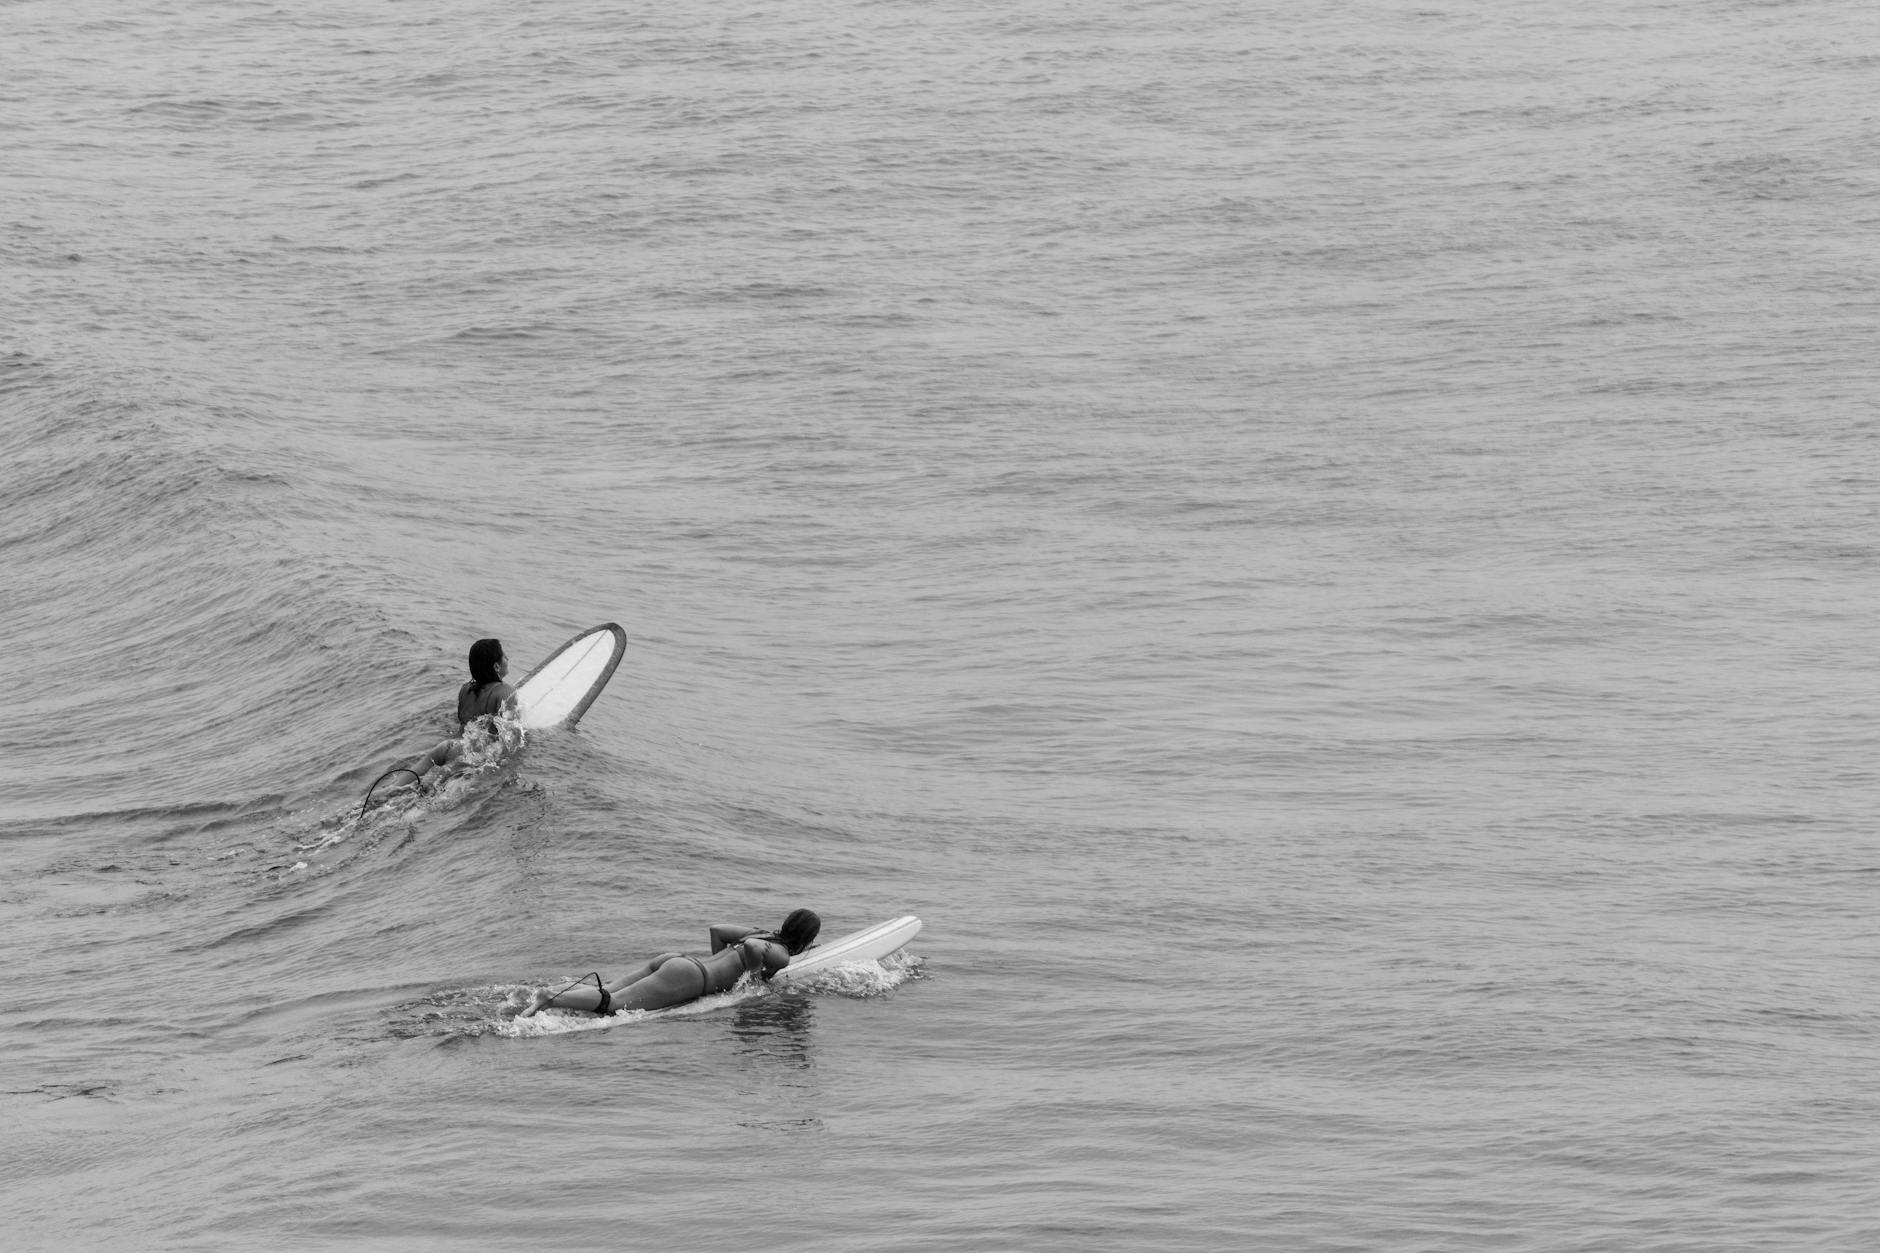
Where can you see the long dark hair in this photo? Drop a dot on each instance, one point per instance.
(484, 654)
(799, 930)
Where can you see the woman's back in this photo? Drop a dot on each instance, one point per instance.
(475, 700)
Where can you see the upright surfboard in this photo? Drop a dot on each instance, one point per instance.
(868, 945)
(557, 692)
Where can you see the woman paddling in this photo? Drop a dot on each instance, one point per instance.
(484, 698)
(674, 978)
(486, 694)
(480, 703)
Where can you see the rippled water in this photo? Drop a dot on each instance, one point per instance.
(1325, 550)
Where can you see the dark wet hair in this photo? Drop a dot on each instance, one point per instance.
(799, 930)
(484, 654)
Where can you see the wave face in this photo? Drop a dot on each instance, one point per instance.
(1327, 552)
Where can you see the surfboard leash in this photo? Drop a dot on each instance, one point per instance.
(367, 802)
(592, 974)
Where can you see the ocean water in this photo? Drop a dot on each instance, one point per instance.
(1328, 551)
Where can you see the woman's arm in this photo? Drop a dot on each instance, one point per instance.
(725, 933)
(766, 955)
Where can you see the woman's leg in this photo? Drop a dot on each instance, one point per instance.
(444, 754)
(586, 996)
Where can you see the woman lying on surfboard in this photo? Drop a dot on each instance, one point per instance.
(674, 978)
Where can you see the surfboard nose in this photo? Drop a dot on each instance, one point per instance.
(557, 692)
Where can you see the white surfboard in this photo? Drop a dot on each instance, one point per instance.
(875, 942)
(557, 692)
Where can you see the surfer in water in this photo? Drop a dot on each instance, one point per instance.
(485, 719)
(479, 702)
(486, 693)
(674, 978)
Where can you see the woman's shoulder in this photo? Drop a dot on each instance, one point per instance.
(490, 697)
(473, 701)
